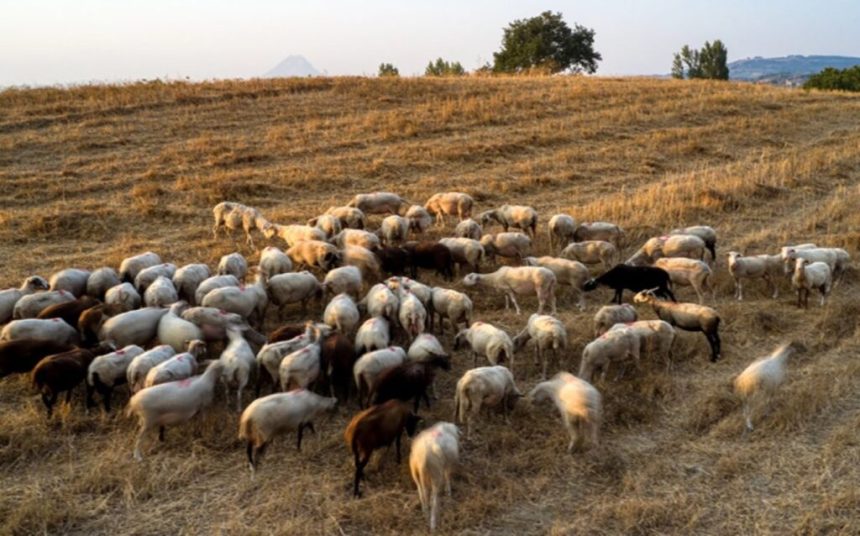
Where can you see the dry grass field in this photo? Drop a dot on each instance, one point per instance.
(89, 175)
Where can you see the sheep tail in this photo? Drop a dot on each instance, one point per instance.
(246, 430)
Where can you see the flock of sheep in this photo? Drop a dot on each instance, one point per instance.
(150, 325)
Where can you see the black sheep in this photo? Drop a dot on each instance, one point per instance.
(393, 260)
(635, 278)
(431, 256)
(409, 381)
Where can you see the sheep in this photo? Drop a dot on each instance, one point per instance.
(686, 316)
(378, 203)
(409, 380)
(270, 356)
(836, 259)
(211, 283)
(412, 315)
(402, 284)
(811, 275)
(569, 273)
(363, 259)
(753, 267)
(394, 229)
(38, 329)
(169, 404)
(273, 261)
(369, 366)
(338, 357)
(519, 280)
(346, 279)
(349, 217)
(377, 427)
(160, 293)
(124, 295)
(484, 387)
(635, 278)
(341, 314)
(63, 372)
(599, 230)
(30, 305)
(294, 234)
(450, 304)
(419, 219)
(465, 252)
(328, 224)
(188, 279)
(239, 364)
(487, 340)
(233, 264)
(147, 276)
(232, 215)
(174, 330)
(592, 252)
(560, 230)
(178, 367)
(20, 356)
(131, 266)
(277, 414)
(578, 402)
(108, 371)
(546, 333)
(761, 379)
(609, 315)
(381, 301)
(284, 289)
(374, 334)
(140, 365)
(300, 368)
(248, 301)
(310, 253)
(432, 459)
(91, 320)
(393, 260)
(611, 347)
(516, 216)
(509, 245)
(69, 311)
(425, 347)
(356, 237)
(469, 228)
(707, 234)
(133, 327)
(431, 256)
(100, 280)
(655, 336)
(688, 272)
(449, 204)
(689, 246)
(9, 297)
(73, 280)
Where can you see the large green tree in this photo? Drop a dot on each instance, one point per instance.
(709, 62)
(444, 68)
(387, 69)
(546, 42)
(830, 78)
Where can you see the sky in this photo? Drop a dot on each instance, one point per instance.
(76, 41)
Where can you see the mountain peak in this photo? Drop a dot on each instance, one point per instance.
(295, 65)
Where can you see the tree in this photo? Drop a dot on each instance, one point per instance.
(838, 79)
(443, 68)
(709, 62)
(387, 69)
(546, 42)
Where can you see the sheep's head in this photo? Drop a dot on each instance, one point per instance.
(590, 285)
(511, 399)
(196, 347)
(36, 282)
(269, 230)
(645, 296)
(734, 255)
(472, 279)
(412, 421)
(458, 338)
(486, 217)
(539, 394)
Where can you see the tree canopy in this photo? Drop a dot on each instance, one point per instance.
(444, 68)
(387, 69)
(709, 62)
(838, 79)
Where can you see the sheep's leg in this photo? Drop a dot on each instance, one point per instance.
(299, 440)
(161, 434)
(434, 506)
(619, 293)
(106, 399)
(397, 444)
(359, 474)
(239, 398)
(516, 305)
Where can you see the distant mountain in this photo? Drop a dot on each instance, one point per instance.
(293, 66)
(790, 70)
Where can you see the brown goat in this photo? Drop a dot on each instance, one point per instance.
(409, 381)
(286, 332)
(431, 256)
(20, 356)
(63, 372)
(337, 356)
(71, 311)
(377, 427)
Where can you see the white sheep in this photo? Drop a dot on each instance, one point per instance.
(432, 459)
(656, 337)
(355, 237)
(9, 297)
(72, 280)
(367, 369)
(349, 217)
(239, 364)
(509, 245)
(689, 246)
(421, 291)
(139, 326)
(569, 273)
(424, 348)
(341, 314)
(211, 283)
(310, 253)
(686, 316)
(30, 305)
(484, 387)
(374, 334)
(328, 224)
(465, 252)
(609, 315)
(578, 402)
(381, 301)
(469, 228)
(761, 379)
(394, 229)
(178, 367)
(233, 264)
(232, 216)
(109, 370)
(301, 368)
(278, 414)
(811, 275)
(754, 267)
(188, 279)
(519, 280)
(378, 203)
(599, 230)
(611, 347)
(49, 329)
(141, 364)
(487, 340)
(837, 259)
(592, 252)
(688, 272)
(449, 204)
(160, 293)
(174, 330)
(363, 259)
(123, 294)
(273, 261)
(294, 234)
(452, 305)
(412, 315)
(547, 333)
(130, 266)
(210, 316)
(147, 276)
(173, 403)
(249, 300)
(419, 219)
(516, 216)
(707, 234)
(270, 356)
(560, 229)
(298, 287)
(100, 280)
(346, 279)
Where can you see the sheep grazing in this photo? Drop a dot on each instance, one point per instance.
(509, 245)
(836, 259)
(449, 204)
(147, 276)
(393, 260)
(374, 334)
(238, 364)
(9, 297)
(91, 320)
(599, 230)
(560, 230)
(328, 224)
(516, 216)
(569, 273)
(419, 219)
(270, 356)
(378, 203)
(592, 252)
(689, 246)
(760, 380)
(131, 266)
(301, 368)
(412, 315)
(469, 228)
(60, 373)
(349, 217)
(487, 340)
(578, 402)
(178, 367)
(686, 316)
(341, 314)
(611, 347)
(374, 428)
(20, 356)
(811, 275)
(108, 371)
(430, 256)
(248, 301)
(754, 267)
(402, 284)
(273, 261)
(424, 348)
(635, 278)
(314, 253)
(394, 229)
(72, 280)
(233, 264)
(433, 457)
(211, 283)
(173, 403)
(212, 321)
(655, 336)
(688, 272)
(70, 311)
(364, 260)
(465, 252)
(707, 234)
(39, 329)
(31, 305)
(278, 414)
(356, 237)
(409, 380)
(232, 216)
(547, 333)
(381, 301)
(338, 357)
(135, 373)
(188, 279)
(100, 281)
(452, 305)
(299, 287)
(124, 295)
(293, 234)
(160, 293)
(369, 366)
(484, 387)
(519, 280)
(346, 279)
(609, 315)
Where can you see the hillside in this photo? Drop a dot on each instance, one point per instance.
(292, 66)
(793, 69)
(93, 174)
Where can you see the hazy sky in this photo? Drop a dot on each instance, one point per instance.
(64, 41)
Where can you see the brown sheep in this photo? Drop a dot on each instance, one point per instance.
(20, 356)
(337, 355)
(409, 381)
(71, 311)
(90, 320)
(431, 255)
(63, 372)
